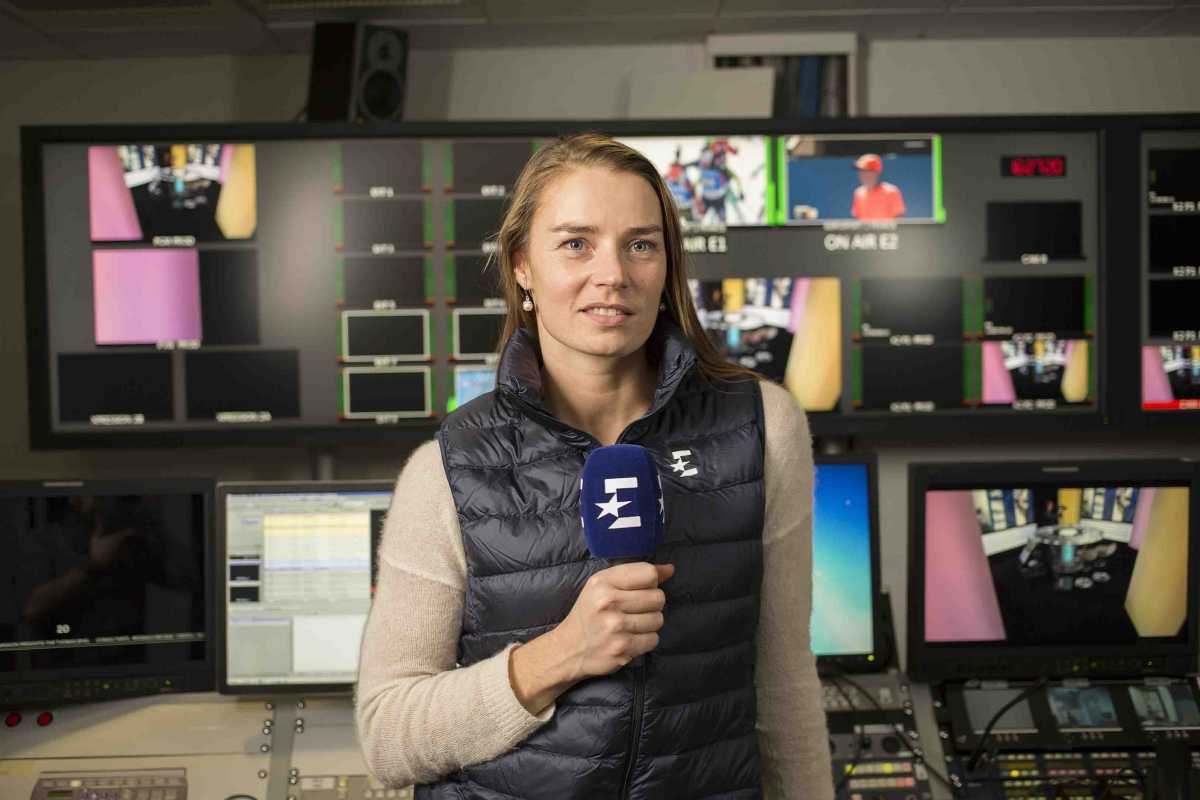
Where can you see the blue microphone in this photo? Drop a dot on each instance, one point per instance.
(621, 503)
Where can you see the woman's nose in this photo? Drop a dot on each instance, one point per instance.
(609, 268)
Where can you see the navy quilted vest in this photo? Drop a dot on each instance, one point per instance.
(681, 725)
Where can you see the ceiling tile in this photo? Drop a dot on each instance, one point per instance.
(181, 42)
(582, 10)
(802, 8)
(1182, 22)
(18, 41)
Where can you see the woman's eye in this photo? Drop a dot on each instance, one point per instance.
(573, 244)
(643, 246)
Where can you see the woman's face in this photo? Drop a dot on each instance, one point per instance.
(595, 263)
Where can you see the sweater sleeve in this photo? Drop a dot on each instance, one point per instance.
(419, 717)
(792, 734)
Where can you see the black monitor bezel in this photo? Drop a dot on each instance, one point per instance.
(224, 490)
(941, 662)
(198, 676)
(1118, 407)
(877, 660)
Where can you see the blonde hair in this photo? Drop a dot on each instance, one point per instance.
(598, 150)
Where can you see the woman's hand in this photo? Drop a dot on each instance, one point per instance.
(616, 618)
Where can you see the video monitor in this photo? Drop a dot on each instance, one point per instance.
(106, 589)
(876, 178)
(385, 281)
(929, 309)
(1172, 176)
(473, 224)
(242, 385)
(383, 227)
(176, 194)
(1034, 231)
(401, 334)
(471, 381)
(983, 704)
(115, 388)
(476, 332)
(845, 617)
(1056, 570)
(229, 297)
(1171, 378)
(296, 578)
(1041, 373)
(473, 280)
(916, 379)
(146, 296)
(1044, 305)
(1165, 706)
(380, 168)
(1174, 310)
(486, 166)
(1174, 246)
(1086, 708)
(788, 329)
(380, 392)
(714, 180)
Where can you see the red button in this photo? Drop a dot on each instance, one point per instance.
(45, 718)
(13, 719)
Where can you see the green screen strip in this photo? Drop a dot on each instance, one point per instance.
(452, 345)
(447, 165)
(337, 167)
(973, 306)
(1089, 305)
(341, 280)
(449, 221)
(342, 392)
(770, 162)
(972, 372)
(427, 214)
(451, 278)
(939, 211)
(781, 164)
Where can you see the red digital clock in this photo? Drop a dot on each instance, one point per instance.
(1033, 166)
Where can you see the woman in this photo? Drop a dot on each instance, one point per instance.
(483, 563)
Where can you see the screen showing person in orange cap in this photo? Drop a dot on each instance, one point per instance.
(875, 199)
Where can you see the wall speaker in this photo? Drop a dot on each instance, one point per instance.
(358, 73)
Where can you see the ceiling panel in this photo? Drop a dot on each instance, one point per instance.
(800, 8)
(179, 42)
(1051, 5)
(1183, 22)
(103, 6)
(420, 13)
(19, 41)
(501, 10)
(551, 34)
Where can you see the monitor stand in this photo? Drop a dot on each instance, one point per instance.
(1172, 777)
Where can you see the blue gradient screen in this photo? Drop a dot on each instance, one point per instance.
(842, 613)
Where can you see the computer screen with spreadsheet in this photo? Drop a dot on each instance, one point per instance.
(297, 578)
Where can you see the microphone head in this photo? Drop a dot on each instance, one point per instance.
(620, 503)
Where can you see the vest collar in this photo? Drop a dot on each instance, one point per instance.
(519, 371)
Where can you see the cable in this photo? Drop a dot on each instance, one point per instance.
(913, 748)
(858, 747)
(973, 761)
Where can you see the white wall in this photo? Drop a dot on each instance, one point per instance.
(1033, 76)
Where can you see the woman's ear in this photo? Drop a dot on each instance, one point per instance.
(521, 271)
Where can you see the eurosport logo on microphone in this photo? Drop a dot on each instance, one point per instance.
(612, 507)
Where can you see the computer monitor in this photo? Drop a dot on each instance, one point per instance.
(105, 588)
(296, 576)
(846, 628)
(1058, 570)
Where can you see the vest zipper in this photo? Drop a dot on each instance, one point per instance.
(639, 678)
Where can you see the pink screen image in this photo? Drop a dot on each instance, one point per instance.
(146, 296)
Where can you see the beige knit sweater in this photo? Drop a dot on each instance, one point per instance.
(421, 718)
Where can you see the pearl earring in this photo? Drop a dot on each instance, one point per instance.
(528, 304)
(662, 306)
